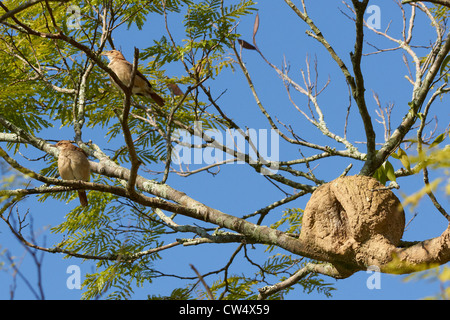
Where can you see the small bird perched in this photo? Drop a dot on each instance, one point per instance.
(123, 69)
(73, 164)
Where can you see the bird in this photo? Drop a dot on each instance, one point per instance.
(123, 69)
(73, 164)
(175, 89)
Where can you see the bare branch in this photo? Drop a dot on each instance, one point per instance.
(326, 269)
(441, 2)
(200, 277)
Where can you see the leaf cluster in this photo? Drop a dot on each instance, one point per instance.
(115, 232)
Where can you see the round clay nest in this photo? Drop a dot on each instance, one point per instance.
(352, 212)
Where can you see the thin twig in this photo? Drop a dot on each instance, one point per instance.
(200, 277)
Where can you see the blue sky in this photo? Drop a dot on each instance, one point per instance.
(238, 190)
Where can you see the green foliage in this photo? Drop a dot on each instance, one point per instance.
(403, 157)
(210, 19)
(385, 172)
(293, 218)
(435, 158)
(278, 268)
(176, 294)
(238, 287)
(208, 26)
(110, 228)
(280, 263)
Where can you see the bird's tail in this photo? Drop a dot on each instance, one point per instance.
(83, 198)
(160, 101)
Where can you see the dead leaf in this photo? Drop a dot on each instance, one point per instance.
(244, 44)
(255, 28)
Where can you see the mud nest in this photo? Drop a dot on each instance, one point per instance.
(353, 216)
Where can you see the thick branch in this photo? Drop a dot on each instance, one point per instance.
(134, 159)
(420, 256)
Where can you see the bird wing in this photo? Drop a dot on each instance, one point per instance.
(80, 166)
(65, 168)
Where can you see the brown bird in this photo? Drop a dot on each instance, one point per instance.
(73, 164)
(122, 68)
(175, 89)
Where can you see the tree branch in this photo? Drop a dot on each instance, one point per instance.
(441, 2)
(359, 90)
(415, 105)
(420, 256)
(134, 159)
(317, 34)
(325, 269)
(110, 257)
